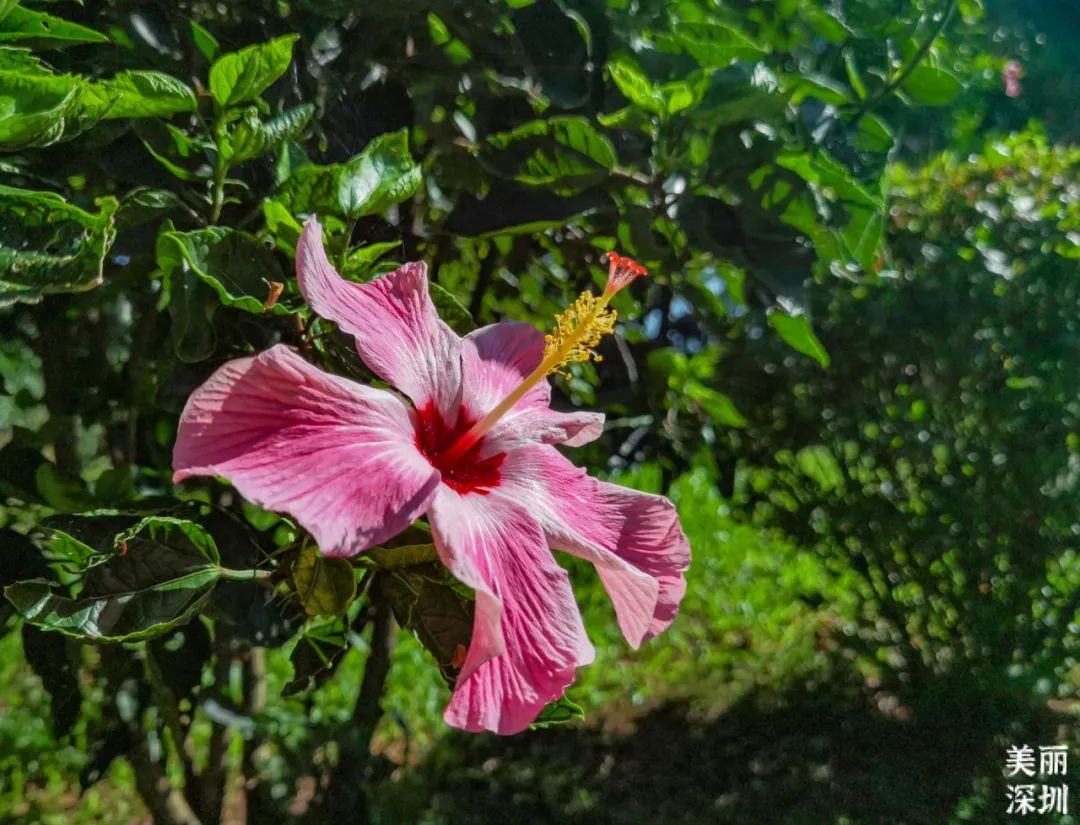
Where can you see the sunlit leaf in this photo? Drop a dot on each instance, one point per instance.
(241, 76)
(50, 245)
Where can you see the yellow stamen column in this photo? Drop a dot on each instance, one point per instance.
(577, 331)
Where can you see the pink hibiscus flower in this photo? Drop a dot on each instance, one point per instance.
(355, 465)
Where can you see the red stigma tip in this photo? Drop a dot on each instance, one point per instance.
(621, 271)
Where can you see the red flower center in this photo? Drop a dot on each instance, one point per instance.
(467, 474)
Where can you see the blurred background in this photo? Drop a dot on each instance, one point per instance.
(853, 367)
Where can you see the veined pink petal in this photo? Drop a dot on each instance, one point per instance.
(528, 638)
(634, 539)
(397, 330)
(495, 359)
(339, 457)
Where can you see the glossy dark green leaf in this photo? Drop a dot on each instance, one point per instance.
(241, 76)
(50, 245)
(434, 607)
(163, 575)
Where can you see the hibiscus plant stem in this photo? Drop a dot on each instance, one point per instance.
(244, 575)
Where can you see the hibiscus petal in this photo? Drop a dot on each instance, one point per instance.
(339, 457)
(397, 330)
(634, 539)
(528, 637)
(495, 359)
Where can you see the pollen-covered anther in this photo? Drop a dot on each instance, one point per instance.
(577, 331)
(621, 272)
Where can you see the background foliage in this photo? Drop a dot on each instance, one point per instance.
(851, 369)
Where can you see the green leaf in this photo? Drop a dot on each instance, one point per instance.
(205, 42)
(175, 150)
(161, 580)
(636, 86)
(435, 608)
(192, 302)
(821, 87)
(831, 178)
(932, 86)
(253, 137)
(379, 177)
(820, 465)
(318, 651)
(241, 76)
(325, 586)
(451, 309)
(799, 335)
(361, 264)
(874, 135)
(38, 108)
(559, 712)
(143, 94)
(22, 24)
(60, 490)
(566, 149)
(716, 44)
(716, 405)
(48, 245)
(236, 265)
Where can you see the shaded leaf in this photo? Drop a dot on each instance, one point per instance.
(325, 586)
(434, 607)
(318, 651)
